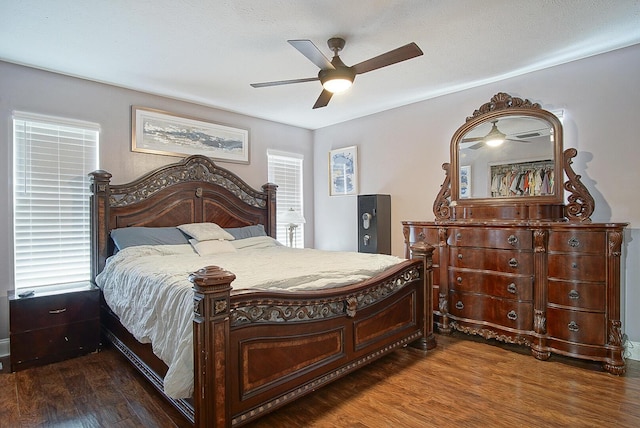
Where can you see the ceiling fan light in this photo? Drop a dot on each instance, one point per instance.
(494, 138)
(337, 85)
(494, 142)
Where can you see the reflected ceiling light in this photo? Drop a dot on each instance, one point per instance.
(494, 138)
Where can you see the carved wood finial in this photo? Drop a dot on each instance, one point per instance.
(501, 101)
(441, 205)
(581, 203)
(212, 276)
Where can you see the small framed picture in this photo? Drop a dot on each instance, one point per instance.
(343, 171)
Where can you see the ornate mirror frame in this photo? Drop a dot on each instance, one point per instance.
(449, 205)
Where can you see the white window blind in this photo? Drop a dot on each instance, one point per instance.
(51, 160)
(285, 170)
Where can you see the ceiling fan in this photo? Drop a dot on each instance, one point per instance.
(334, 75)
(495, 137)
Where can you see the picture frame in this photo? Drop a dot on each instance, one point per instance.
(343, 171)
(465, 181)
(164, 133)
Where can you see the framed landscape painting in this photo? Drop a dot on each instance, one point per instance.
(343, 171)
(164, 133)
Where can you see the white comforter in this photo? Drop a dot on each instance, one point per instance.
(148, 288)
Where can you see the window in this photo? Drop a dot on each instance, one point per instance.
(51, 230)
(285, 170)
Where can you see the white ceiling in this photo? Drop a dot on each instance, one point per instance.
(209, 51)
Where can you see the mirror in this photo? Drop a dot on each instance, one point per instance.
(507, 163)
(507, 156)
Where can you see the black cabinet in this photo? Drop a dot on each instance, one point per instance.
(374, 224)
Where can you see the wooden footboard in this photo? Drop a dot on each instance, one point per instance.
(256, 352)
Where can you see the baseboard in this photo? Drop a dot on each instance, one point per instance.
(4, 347)
(632, 350)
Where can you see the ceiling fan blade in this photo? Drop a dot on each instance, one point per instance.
(400, 54)
(323, 99)
(477, 145)
(308, 49)
(283, 82)
(471, 139)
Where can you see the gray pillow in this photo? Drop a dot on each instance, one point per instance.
(134, 236)
(247, 231)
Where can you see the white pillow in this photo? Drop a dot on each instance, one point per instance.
(205, 231)
(210, 247)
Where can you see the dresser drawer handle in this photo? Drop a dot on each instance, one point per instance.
(459, 305)
(458, 236)
(512, 239)
(421, 235)
(459, 256)
(574, 295)
(511, 288)
(57, 311)
(573, 326)
(573, 242)
(513, 263)
(512, 315)
(459, 279)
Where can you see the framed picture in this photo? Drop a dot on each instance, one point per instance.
(465, 181)
(163, 133)
(343, 171)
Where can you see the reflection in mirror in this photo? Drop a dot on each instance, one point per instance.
(510, 156)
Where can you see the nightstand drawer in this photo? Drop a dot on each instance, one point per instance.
(37, 312)
(54, 344)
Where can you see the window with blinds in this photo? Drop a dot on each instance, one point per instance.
(285, 170)
(51, 230)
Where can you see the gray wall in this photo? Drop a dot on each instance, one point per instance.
(36, 91)
(401, 151)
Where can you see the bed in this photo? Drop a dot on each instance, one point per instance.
(253, 350)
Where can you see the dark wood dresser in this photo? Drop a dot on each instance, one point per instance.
(52, 325)
(518, 258)
(552, 286)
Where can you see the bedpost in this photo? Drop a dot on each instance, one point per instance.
(99, 209)
(212, 291)
(270, 190)
(424, 251)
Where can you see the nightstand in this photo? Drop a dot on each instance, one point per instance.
(53, 324)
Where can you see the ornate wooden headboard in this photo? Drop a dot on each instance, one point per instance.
(193, 190)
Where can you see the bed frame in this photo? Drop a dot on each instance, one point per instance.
(256, 351)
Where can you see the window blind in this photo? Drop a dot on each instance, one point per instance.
(285, 170)
(52, 158)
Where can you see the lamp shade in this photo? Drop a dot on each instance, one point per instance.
(291, 216)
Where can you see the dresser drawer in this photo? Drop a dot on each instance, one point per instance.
(576, 241)
(576, 326)
(509, 261)
(578, 295)
(577, 267)
(517, 239)
(46, 311)
(503, 312)
(500, 285)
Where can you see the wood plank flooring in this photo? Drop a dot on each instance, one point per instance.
(464, 382)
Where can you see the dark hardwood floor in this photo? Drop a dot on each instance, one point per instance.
(464, 382)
